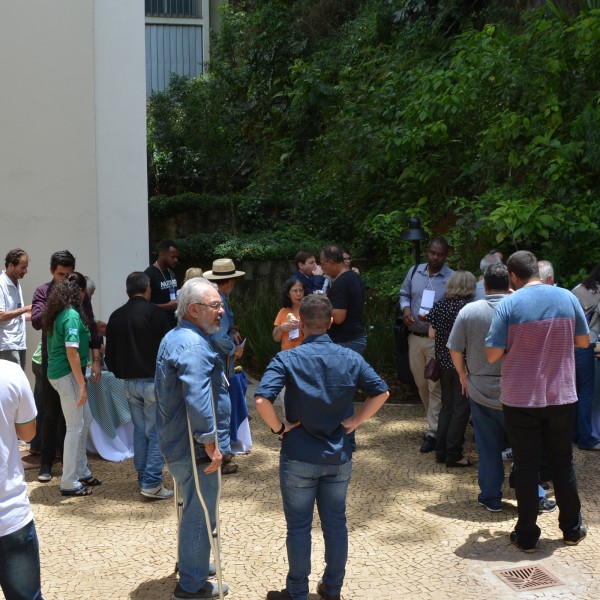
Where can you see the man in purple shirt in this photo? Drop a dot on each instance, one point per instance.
(535, 330)
(61, 264)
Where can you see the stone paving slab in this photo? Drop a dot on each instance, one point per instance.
(415, 529)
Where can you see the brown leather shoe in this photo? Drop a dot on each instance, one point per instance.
(321, 591)
(229, 468)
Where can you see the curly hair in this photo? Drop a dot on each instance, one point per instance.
(66, 294)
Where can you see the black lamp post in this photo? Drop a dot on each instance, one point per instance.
(415, 234)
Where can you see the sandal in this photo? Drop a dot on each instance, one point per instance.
(90, 481)
(82, 491)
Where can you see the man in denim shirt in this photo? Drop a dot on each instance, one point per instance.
(189, 375)
(320, 378)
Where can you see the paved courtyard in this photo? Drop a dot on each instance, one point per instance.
(416, 531)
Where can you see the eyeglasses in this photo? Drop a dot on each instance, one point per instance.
(214, 305)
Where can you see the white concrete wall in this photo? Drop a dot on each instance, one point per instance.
(72, 140)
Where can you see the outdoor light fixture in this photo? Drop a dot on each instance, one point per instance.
(415, 234)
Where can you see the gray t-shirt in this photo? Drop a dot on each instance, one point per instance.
(468, 334)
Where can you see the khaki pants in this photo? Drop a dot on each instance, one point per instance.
(420, 352)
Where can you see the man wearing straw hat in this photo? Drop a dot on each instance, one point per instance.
(227, 342)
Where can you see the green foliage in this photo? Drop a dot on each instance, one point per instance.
(336, 120)
(206, 247)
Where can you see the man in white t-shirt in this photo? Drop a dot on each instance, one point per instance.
(13, 313)
(19, 550)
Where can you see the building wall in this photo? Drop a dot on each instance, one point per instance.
(72, 143)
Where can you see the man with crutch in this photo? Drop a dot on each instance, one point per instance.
(189, 379)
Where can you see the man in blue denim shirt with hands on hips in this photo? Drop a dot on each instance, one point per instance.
(320, 378)
(188, 375)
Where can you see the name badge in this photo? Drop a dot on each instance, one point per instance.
(173, 294)
(427, 301)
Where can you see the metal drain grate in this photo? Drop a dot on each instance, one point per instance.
(527, 578)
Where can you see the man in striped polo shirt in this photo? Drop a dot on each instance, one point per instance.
(535, 329)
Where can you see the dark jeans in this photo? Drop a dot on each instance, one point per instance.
(585, 369)
(38, 395)
(53, 426)
(454, 416)
(532, 431)
(20, 564)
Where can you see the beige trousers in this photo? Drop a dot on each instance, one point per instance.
(420, 351)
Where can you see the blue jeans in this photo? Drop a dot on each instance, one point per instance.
(489, 438)
(301, 484)
(78, 419)
(147, 459)
(549, 430)
(194, 543)
(20, 564)
(585, 368)
(358, 345)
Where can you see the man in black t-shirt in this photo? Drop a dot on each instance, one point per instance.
(163, 282)
(347, 296)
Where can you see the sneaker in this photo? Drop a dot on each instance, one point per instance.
(572, 539)
(160, 492)
(428, 444)
(45, 474)
(489, 507)
(507, 454)
(208, 590)
(321, 591)
(514, 540)
(546, 506)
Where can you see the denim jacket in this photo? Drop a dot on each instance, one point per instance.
(188, 374)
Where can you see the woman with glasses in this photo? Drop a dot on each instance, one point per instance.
(287, 330)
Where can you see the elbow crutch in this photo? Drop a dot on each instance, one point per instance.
(214, 537)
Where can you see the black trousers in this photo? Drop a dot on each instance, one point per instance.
(533, 432)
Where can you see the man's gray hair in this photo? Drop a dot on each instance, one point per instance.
(546, 270)
(193, 290)
(487, 260)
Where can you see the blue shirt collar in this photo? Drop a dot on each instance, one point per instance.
(319, 338)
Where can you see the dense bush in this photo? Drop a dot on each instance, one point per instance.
(339, 119)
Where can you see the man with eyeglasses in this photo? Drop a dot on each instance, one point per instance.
(133, 335)
(189, 375)
(228, 343)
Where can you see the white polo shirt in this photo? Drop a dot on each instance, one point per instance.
(16, 406)
(12, 333)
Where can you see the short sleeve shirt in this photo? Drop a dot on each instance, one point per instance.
(69, 330)
(348, 292)
(286, 342)
(12, 333)
(16, 406)
(536, 326)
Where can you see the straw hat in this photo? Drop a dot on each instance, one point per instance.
(223, 268)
